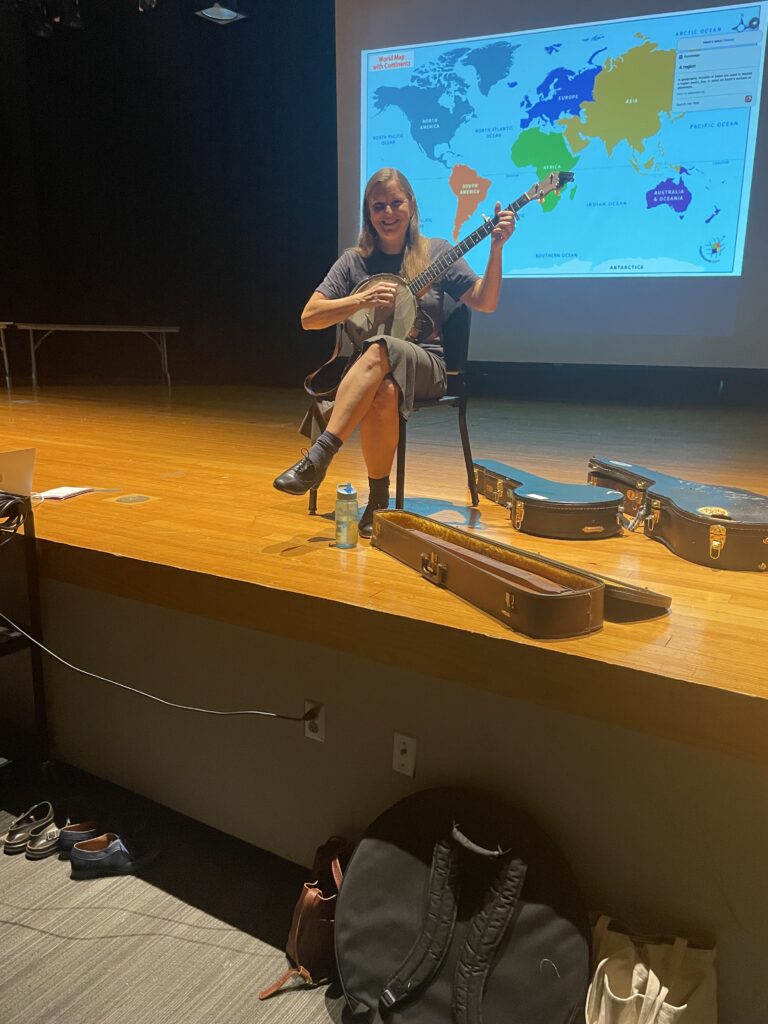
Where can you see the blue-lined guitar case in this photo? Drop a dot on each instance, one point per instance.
(546, 508)
(722, 527)
(456, 907)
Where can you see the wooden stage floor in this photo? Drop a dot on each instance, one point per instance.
(216, 539)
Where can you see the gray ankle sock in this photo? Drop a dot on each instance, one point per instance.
(323, 450)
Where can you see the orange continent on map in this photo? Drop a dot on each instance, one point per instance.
(470, 190)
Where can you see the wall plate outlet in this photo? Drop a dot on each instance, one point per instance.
(404, 754)
(314, 728)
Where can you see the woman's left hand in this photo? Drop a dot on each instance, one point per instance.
(504, 228)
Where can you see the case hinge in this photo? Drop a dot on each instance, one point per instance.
(500, 490)
(717, 537)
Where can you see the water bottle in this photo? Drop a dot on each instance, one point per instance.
(346, 516)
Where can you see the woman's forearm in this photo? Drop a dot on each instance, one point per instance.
(321, 312)
(484, 296)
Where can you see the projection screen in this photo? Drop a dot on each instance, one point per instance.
(655, 253)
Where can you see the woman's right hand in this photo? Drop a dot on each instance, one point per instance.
(380, 295)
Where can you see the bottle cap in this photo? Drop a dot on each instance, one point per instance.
(346, 489)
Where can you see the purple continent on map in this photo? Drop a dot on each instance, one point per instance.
(674, 194)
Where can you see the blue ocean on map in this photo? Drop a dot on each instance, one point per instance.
(655, 117)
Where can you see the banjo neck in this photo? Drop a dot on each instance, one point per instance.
(437, 268)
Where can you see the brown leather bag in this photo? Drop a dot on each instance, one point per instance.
(310, 946)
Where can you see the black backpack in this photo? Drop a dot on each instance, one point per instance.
(457, 907)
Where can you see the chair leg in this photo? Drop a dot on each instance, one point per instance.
(467, 451)
(400, 479)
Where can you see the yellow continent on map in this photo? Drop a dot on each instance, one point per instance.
(630, 94)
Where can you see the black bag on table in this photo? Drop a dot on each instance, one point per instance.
(457, 907)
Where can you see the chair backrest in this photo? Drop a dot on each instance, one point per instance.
(456, 324)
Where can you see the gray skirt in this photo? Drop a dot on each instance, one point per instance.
(418, 374)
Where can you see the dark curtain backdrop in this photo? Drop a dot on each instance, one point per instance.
(160, 169)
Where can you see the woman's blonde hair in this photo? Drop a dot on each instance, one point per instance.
(416, 254)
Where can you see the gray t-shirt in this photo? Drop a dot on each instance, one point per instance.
(351, 268)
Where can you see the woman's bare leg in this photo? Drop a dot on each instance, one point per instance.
(380, 430)
(358, 390)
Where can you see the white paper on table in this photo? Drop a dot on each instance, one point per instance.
(59, 493)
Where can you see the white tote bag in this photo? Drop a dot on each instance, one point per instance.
(637, 981)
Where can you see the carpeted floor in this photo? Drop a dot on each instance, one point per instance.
(190, 941)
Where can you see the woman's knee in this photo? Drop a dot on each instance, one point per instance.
(376, 357)
(386, 398)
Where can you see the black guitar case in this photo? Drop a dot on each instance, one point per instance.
(546, 508)
(722, 527)
(457, 907)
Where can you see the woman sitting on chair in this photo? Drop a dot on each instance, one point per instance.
(383, 383)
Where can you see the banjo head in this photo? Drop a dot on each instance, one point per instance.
(369, 322)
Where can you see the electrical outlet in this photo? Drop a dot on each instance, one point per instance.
(314, 728)
(404, 754)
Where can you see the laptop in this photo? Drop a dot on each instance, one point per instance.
(16, 470)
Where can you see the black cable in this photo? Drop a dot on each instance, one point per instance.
(306, 717)
(13, 512)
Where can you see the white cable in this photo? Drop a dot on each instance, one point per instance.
(307, 716)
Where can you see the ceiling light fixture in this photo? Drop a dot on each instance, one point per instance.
(222, 14)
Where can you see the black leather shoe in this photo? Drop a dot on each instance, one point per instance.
(365, 526)
(302, 477)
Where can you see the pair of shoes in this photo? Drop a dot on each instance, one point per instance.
(75, 833)
(106, 855)
(32, 824)
(365, 526)
(303, 476)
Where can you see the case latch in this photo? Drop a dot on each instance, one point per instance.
(432, 569)
(717, 537)
(653, 515)
(516, 513)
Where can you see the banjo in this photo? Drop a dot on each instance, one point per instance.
(406, 319)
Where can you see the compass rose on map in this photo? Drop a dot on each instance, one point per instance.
(712, 251)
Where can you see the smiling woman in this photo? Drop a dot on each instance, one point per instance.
(391, 372)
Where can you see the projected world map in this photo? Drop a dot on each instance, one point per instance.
(656, 117)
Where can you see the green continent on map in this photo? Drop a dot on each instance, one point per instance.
(470, 190)
(546, 153)
(630, 94)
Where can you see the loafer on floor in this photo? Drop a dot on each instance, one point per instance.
(107, 855)
(75, 833)
(20, 831)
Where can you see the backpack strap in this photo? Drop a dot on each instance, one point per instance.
(426, 955)
(487, 928)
